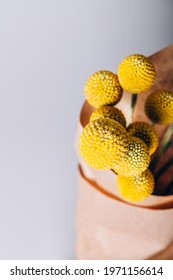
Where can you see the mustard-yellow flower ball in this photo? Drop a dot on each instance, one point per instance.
(136, 159)
(103, 143)
(103, 88)
(109, 112)
(136, 73)
(146, 133)
(136, 188)
(159, 107)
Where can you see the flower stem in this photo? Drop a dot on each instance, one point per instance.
(168, 135)
(166, 143)
(133, 103)
(169, 189)
(163, 169)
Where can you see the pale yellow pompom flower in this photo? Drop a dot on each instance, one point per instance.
(103, 88)
(109, 112)
(136, 73)
(103, 143)
(136, 188)
(146, 133)
(136, 159)
(159, 107)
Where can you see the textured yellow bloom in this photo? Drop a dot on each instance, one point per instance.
(159, 107)
(103, 88)
(146, 133)
(103, 143)
(136, 73)
(109, 112)
(136, 159)
(136, 188)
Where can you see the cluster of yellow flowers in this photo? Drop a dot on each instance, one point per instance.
(106, 142)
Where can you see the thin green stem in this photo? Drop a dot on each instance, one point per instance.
(169, 189)
(163, 169)
(166, 143)
(168, 135)
(133, 103)
(170, 143)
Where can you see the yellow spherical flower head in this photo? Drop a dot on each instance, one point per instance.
(109, 112)
(136, 159)
(103, 88)
(103, 143)
(136, 73)
(159, 107)
(136, 188)
(146, 133)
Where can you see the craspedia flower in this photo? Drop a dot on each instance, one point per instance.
(109, 112)
(136, 159)
(159, 107)
(136, 188)
(103, 143)
(136, 73)
(146, 133)
(103, 88)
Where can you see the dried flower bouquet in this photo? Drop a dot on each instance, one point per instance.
(130, 150)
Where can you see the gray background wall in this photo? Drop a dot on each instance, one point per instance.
(48, 48)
